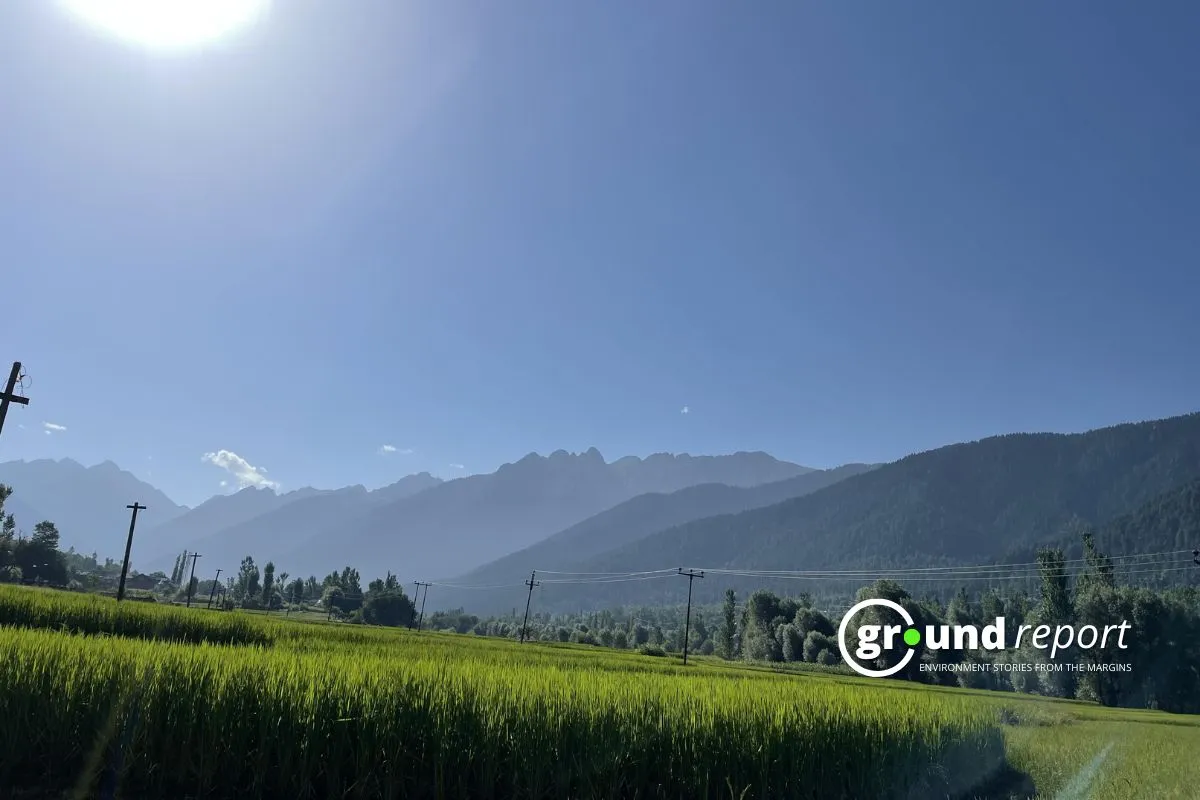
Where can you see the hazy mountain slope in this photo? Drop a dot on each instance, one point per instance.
(467, 522)
(312, 513)
(1168, 522)
(632, 520)
(25, 515)
(162, 542)
(966, 503)
(86, 503)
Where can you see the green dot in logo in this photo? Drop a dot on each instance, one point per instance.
(912, 637)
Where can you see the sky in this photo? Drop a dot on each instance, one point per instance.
(359, 240)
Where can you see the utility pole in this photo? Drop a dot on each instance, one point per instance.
(216, 582)
(421, 618)
(691, 575)
(192, 579)
(530, 583)
(9, 394)
(128, 544)
(416, 596)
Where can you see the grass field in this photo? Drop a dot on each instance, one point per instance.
(173, 701)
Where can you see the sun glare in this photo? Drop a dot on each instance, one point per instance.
(168, 24)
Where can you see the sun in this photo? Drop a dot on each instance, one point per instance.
(168, 24)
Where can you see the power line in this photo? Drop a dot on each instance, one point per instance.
(982, 568)
(948, 577)
(977, 572)
(643, 572)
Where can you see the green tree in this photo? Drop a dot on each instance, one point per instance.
(820, 649)
(268, 583)
(1054, 609)
(793, 642)
(295, 591)
(725, 634)
(758, 640)
(391, 608)
(45, 535)
(246, 585)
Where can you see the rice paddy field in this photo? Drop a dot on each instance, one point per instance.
(165, 702)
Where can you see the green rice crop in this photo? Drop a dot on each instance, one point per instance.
(92, 614)
(336, 711)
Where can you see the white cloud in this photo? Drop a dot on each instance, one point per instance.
(53, 428)
(241, 469)
(457, 466)
(387, 448)
(224, 483)
(685, 410)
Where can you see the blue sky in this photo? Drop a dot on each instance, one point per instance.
(834, 231)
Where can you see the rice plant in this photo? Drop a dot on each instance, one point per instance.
(93, 614)
(216, 721)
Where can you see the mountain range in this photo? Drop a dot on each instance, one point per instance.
(989, 501)
(86, 503)
(419, 526)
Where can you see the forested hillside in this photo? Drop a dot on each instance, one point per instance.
(969, 503)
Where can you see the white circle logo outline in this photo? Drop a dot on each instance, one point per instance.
(873, 673)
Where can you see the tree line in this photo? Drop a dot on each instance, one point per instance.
(1163, 653)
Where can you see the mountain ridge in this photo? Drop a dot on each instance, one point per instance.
(95, 518)
(637, 517)
(965, 503)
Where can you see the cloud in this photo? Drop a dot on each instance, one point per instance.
(224, 483)
(388, 449)
(53, 428)
(241, 469)
(685, 410)
(457, 466)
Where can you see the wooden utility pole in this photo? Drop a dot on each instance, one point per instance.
(9, 395)
(192, 579)
(530, 583)
(128, 544)
(213, 591)
(424, 597)
(691, 575)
